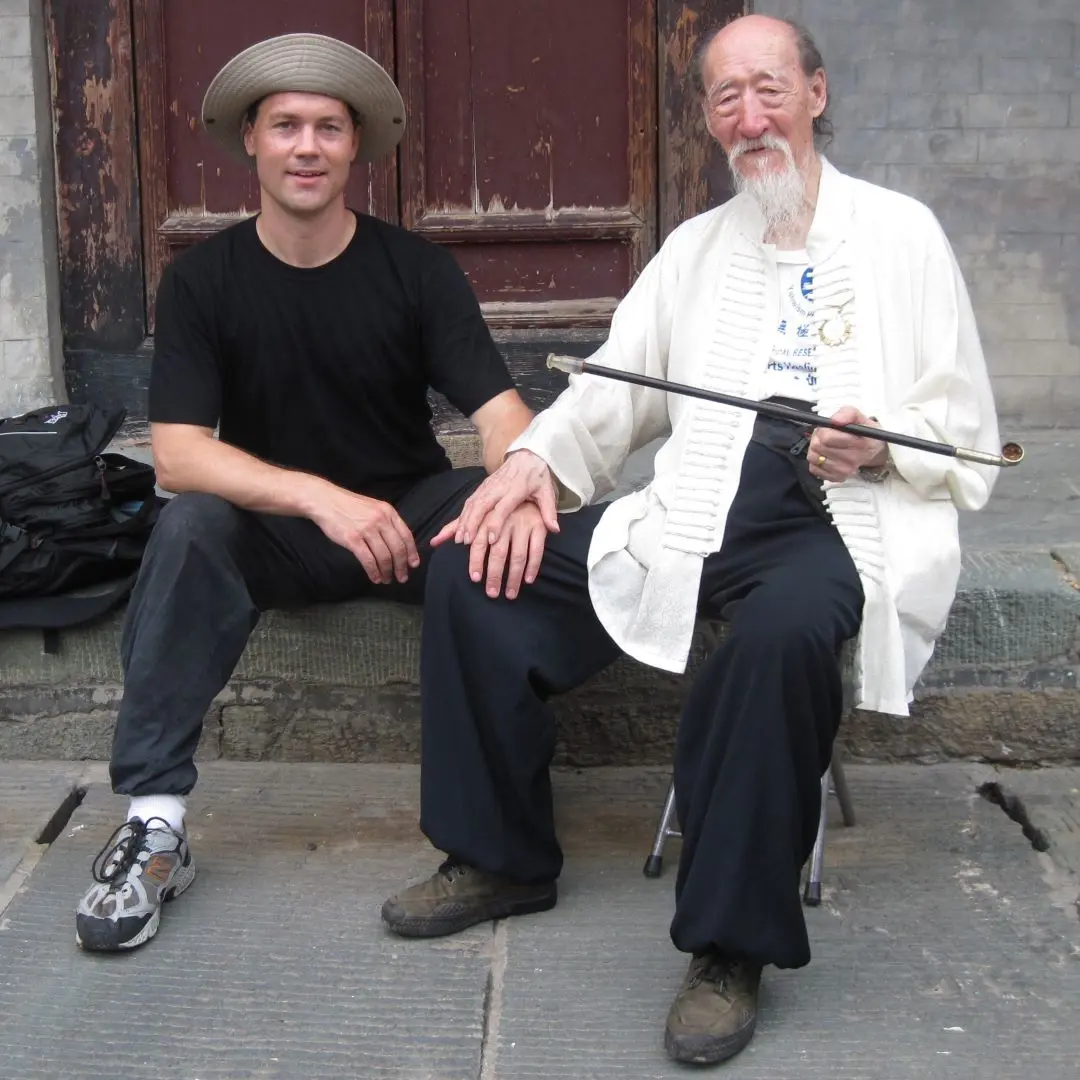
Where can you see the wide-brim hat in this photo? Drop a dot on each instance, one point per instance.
(312, 63)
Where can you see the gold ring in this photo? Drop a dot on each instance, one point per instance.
(822, 459)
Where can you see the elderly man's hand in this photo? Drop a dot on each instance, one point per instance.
(522, 478)
(838, 455)
(495, 517)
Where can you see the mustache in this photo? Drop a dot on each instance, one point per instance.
(762, 142)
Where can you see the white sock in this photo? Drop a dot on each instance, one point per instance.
(169, 807)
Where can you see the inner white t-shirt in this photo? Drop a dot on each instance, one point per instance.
(792, 368)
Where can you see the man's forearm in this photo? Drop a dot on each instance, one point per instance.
(514, 418)
(495, 448)
(214, 467)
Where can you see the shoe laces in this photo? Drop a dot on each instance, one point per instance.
(453, 868)
(718, 970)
(116, 858)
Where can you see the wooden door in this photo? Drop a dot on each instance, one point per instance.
(532, 149)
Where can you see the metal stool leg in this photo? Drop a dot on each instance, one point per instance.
(654, 863)
(833, 780)
(843, 792)
(812, 893)
(710, 636)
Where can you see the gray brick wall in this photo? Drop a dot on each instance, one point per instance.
(973, 106)
(29, 339)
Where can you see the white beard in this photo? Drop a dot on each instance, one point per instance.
(780, 194)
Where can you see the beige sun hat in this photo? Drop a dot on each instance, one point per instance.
(312, 63)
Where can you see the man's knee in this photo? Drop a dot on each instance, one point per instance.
(195, 519)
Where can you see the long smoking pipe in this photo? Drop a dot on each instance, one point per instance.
(1012, 453)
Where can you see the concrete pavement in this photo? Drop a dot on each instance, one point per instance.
(946, 945)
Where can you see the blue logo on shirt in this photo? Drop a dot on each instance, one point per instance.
(807, 283)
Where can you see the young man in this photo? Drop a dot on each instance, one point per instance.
(809, 287)
(309, 335)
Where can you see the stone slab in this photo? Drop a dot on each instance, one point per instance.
(1011, 725)
(1035, 504)
(1014, 615)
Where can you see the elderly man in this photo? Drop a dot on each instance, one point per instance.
(808, 287)
(309, 334)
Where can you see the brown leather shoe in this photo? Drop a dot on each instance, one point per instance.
(459, 896)
(713, 1016)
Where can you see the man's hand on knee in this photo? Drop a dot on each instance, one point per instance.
(517, 552)
(371, 529)
(839, 455)
(521, 479)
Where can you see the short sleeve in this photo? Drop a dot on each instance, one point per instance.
(185, 377)
(461, 360)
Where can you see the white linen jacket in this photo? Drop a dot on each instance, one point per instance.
(703, 312)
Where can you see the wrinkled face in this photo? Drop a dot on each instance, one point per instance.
(758, 98)
(303, 145)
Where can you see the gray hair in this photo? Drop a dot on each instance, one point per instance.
(810, 60)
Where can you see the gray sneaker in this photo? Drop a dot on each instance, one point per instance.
(142, 865)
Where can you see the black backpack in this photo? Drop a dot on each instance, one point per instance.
(74, 519)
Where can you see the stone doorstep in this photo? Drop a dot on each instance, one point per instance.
(340, 683)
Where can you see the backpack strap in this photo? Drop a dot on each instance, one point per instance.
(51, 614)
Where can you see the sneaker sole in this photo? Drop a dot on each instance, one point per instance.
(421, 926)
(707, 1049)
(182, 881)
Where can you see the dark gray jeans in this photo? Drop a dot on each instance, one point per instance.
(208, 572)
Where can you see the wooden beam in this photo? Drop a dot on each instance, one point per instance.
(549, 314)
(693, 174)
(101, 278)
(525, 225)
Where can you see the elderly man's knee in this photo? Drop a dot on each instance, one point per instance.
(448, 570)
(785, 619)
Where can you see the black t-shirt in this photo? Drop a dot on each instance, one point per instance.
(323, 369)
